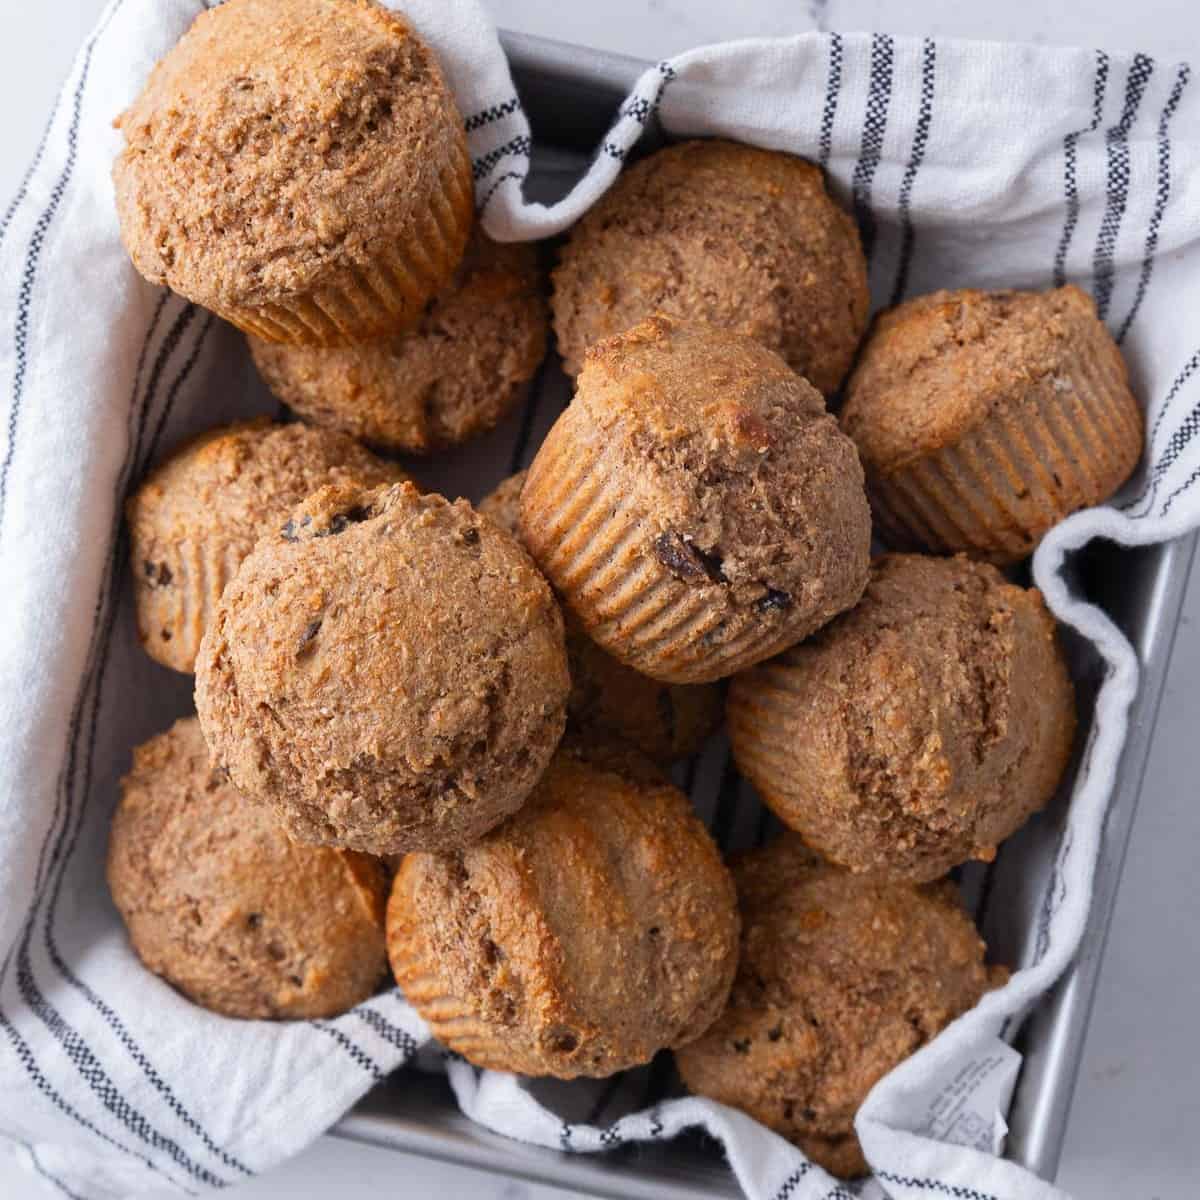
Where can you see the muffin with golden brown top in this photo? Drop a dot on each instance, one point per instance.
(730, 235)
(299, 167)
(586, 933)
(840, 979)
(386, 672)
(696, 507)
(220, 903)
(199, 514)
(664, 720)
(984, 418)
(916, 731)
(463, 367)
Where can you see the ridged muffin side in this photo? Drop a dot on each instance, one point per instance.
(985, 418)
(300, 168)
(916, 731)
(695, 506)
(592, 929)
(456, 373)
(666, 721)
(197, 516)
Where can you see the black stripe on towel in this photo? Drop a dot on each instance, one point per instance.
(935, 1185)
(1070, 157)
(355, 1051)
(517, 147)
(879, 96)
(487, 116)
(1178, 442)
(833, 90)
(1183, 487)
(77, 1050)
(135, 1052)
(53, 1179)
(915, 159)
(792, 1182)
(1162, 194)
(23, 188)
(47, 1089)
(496, 186)
(400, 1038)
(1116, 189)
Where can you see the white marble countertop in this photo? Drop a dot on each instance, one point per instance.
(1134, 1126)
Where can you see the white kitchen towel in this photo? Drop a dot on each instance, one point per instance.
(964, 163)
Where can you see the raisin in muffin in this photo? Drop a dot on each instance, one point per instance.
(666, 721)
(198, 515)
(695, 506)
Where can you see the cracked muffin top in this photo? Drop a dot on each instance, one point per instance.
(303, 151)
(224, 906)
(919, 729)
(197, 515)
(696, 474)
(594, 928)
(731, 235)
(840, 979)
(386, 671)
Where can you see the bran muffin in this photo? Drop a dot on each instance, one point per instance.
(984, 418)
(386, 672)
(695, 506)
(462, 368)
(198, 515)
(729, 235)
(840, 979)
(225, 907)
(592, 929)
(916, 731)
(666, 721)
(298, 167)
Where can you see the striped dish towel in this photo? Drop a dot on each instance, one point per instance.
(964, 163)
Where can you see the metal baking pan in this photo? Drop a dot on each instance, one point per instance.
(571, 95)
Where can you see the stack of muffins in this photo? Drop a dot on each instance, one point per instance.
(435, 736)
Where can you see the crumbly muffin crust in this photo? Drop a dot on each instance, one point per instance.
(918, 730)
(220, 903)
(730, 235)
(460, 370)
(666, 721)
(368, 707)
(299, 167)
(196, 516)
(695, 506)
(984, 418)
(840, 978)
(592, 929)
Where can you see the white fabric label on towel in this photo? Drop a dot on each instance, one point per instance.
(965, 164)
(968, 1108)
